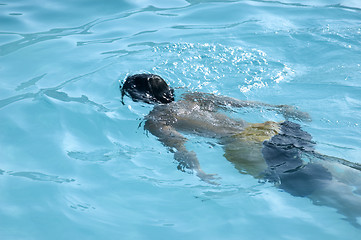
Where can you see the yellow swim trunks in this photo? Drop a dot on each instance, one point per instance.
(259, 132)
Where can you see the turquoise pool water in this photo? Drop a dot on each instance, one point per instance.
(74, 163)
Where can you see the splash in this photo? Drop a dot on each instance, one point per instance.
(210, 67)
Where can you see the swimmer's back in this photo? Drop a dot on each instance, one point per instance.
(188, 116)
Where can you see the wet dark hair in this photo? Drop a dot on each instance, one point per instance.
(148, 88)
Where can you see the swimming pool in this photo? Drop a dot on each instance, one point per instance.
(74, 162)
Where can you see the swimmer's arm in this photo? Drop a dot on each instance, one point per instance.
(175, 141)
(215, 101)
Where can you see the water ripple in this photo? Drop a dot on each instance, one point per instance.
(212, 27)
(30, 82)
(34, 38)
(62, 96)
(37, 176)
(338, 5)
(53, 92)
(102, 155)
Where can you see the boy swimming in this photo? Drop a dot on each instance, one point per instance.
(277, 152)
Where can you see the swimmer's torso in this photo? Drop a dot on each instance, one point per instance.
(191, 117)
(242, 141)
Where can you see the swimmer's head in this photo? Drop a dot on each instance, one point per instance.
(148, 88)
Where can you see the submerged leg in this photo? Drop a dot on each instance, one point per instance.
(282, 154)
(290, 173)
(341, 197)
(326, 180)
(344, 162)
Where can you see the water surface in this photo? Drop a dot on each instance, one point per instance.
(74, 162)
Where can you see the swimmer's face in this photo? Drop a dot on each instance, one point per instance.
(148, 88)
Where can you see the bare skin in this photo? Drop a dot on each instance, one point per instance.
(199, 114)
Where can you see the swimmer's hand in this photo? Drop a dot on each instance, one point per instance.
(188, 160)
(292, 112)
(208, 178)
